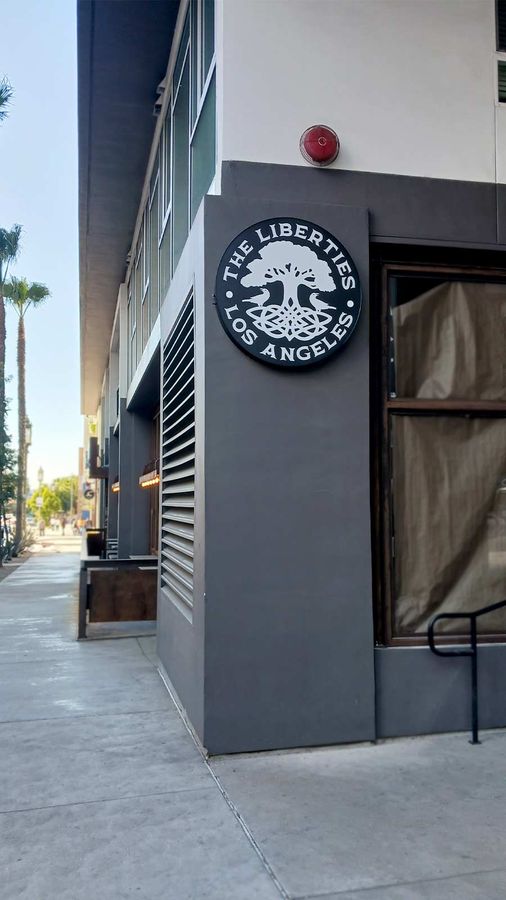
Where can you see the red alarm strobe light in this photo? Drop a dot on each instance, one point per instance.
(319, 145)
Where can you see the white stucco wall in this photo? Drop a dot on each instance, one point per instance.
(409, 85)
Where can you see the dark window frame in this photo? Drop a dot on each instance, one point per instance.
(383, 407)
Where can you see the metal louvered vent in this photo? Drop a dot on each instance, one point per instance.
(502, 82)
(178, 460)
(501, 25)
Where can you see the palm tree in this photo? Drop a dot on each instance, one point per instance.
(9, 249)
(5, 97)
(9, 243)
(22, 294)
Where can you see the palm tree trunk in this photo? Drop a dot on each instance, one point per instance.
(2, 366)
(2, 412)
(21, 486)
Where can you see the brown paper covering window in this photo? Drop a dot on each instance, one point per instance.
(449, 519)
(450, 343)
(449, 472)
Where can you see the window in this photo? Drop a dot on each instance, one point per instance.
(207, 43)
(153, 251)
(164, 256)
(203, 157)
(132, 351)
(501, 46)
(183, 170)
(202, 44)
(203, 105)
(193, 120)
(145, 279)
(501, 25)
(501, 82)
(138, 298)
(444, 440)
(145, 321)
(129, 333)
(166, 156)
(188, 156)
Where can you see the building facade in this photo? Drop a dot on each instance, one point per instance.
(310, 358)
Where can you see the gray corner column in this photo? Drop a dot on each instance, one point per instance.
(288, 602)
(133, 502)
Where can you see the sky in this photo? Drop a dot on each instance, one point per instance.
(38, 189)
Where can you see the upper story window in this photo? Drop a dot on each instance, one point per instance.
(501, 82)
(132, 330)
(202, 21)
(501, 25)
(192, 112)
(501, 47)
(184, 168)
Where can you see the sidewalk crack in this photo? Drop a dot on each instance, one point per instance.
(28, 809)
(228, 800)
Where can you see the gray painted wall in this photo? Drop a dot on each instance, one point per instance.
(180, 633)
(411, 210)
(279, 648)
(419, 693)
(288, 630)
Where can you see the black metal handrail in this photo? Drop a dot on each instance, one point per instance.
(471, 651)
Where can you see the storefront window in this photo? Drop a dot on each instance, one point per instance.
(449, 518)
(445, 428)
(448, 339)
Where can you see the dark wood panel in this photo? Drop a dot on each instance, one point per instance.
(117, 595)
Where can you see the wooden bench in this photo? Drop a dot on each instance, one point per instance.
(117, 590)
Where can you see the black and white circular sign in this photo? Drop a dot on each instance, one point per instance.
(288, 292)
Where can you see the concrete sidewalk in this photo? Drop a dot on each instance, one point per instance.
(104, 794)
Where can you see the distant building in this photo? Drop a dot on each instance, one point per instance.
(310, 358)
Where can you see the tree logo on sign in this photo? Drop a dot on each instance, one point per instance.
(288, 292)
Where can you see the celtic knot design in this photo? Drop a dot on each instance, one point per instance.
(289, 322)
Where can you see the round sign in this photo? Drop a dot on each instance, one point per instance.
(89, 494)
(288, 293)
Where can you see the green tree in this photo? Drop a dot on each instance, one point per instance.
(5, 97)
(66, 489)
(22, 294)
(50, 503)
